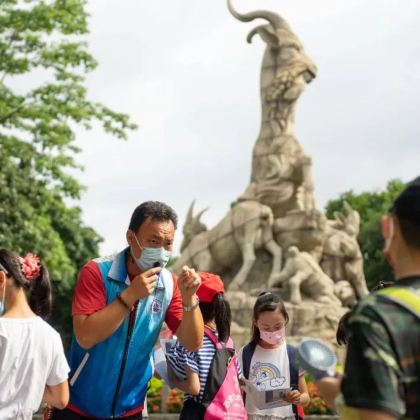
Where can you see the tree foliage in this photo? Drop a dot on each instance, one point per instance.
(43, 64)
(371, 206)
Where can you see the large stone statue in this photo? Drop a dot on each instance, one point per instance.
(248, 226)
(281, 171)
(276, 214)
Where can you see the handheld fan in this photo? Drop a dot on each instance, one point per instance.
(316, 358)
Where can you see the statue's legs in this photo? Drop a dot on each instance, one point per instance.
(355, 276)
(295, 282)
(273, 248)
(248, 259)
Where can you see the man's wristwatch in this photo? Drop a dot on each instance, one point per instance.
(192, 307)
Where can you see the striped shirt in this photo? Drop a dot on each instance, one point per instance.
(198, 362)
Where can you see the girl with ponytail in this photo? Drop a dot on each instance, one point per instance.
(33, 367)
(210, 373)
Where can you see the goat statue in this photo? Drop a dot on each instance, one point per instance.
(246, 228)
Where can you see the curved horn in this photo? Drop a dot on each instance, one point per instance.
(189, 215)
(275, 20)
(266, 35)
(200, 214)
(348, 207)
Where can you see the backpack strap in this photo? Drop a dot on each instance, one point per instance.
(293, 369)
(247, 353)
(403, 296)
(294, 377)
(213, 337)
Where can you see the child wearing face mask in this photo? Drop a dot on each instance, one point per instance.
(268, 362)
(33, 367)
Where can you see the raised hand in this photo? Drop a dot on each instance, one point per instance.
(189, 281)
(143, 284)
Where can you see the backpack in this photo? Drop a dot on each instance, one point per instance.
(222, 398)
(248, 352)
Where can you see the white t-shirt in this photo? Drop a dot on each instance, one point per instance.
(31, 356)
(269, 369)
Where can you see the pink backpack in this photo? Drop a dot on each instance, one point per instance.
(222, 396)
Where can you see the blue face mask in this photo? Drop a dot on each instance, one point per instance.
(2, 307)
(150, 256)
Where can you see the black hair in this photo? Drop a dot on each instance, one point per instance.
(38, 290)
(341, 333)
(154, 210)
(219, 311)
(406, 208)
(266, 301)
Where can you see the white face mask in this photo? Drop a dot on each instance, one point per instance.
(388, 240)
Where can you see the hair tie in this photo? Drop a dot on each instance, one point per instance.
(31, 266)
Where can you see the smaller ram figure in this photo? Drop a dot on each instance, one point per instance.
(247, 227)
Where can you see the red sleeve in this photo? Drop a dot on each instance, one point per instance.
(174, 312)
(89, 294)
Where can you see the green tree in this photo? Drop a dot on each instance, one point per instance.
(371, 206)
(43, 64)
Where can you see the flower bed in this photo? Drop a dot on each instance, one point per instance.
(174, 400)
(317, 404)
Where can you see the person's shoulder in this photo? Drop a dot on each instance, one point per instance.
(370, 305)
(374, 313)
(44, 325)
(49, 335)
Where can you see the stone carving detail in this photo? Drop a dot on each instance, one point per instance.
(342, 258)
(246, 227)
(277, 215)
(281, 171)
(302, 273)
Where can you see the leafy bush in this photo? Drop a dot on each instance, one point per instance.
(154, 403)
(174, 401)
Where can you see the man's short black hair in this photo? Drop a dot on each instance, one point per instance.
(155, 210)
(407, 210)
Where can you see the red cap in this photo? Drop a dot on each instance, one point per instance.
(211, 285)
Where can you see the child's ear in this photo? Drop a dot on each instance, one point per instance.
(2, 278)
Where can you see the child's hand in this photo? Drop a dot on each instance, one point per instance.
(293, 397)
(242, 384)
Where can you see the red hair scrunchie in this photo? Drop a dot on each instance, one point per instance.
(31, 266)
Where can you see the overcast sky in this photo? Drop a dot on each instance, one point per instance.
(183, 70)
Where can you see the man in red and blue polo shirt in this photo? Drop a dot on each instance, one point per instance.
(119, 306)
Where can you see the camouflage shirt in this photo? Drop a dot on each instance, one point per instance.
(383, 357)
